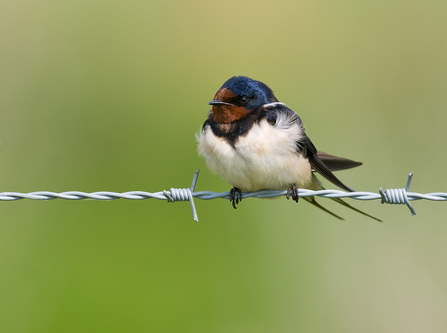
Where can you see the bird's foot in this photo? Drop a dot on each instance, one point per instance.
(235, 196)
(292, 191)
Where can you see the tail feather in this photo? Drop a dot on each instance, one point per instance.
(344, 203)
(316, 204)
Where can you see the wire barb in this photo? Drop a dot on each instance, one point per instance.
(184, 194)
(398, 196)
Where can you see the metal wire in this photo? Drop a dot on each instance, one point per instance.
(400, 196)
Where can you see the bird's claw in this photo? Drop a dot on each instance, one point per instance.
(235, 196)
(292, 191)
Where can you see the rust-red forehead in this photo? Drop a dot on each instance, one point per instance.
(224, 94)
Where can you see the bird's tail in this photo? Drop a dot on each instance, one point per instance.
(316, 204)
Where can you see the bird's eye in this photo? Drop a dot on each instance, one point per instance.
(244, 99)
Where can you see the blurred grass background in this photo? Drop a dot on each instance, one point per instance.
(107, 95)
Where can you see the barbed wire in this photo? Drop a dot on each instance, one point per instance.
(400, 196)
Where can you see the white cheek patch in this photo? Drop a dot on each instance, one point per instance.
(272, 104)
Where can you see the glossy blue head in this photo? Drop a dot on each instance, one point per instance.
(238, 97)
(243, 91)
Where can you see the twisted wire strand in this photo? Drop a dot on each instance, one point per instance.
(208, 195)
(389, 196)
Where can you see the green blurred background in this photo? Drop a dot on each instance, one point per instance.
(107, 95)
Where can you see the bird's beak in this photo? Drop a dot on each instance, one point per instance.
(218, 102)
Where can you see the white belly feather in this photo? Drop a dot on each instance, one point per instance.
(265, 158)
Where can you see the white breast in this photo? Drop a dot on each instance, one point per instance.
(265, 158)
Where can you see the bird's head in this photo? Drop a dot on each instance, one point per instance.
(238, 97)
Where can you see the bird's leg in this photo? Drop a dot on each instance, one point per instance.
(293, 191)
(235, 196)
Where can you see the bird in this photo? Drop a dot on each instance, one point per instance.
(255, 142)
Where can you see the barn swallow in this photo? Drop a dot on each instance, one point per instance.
(255, 143)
